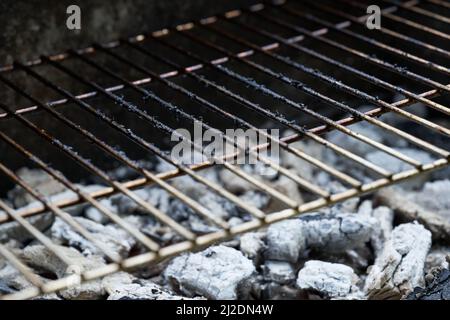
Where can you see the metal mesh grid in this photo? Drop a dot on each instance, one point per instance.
(315, 23)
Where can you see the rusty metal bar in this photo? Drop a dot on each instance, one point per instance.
(388, 14)
(326, 78)
(370, 78)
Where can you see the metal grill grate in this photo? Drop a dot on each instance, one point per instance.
(291, 31)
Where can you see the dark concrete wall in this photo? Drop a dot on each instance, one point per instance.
(32, 27)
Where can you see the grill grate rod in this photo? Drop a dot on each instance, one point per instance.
(300, 106)
(397, 69)
(370, 78)
(440, 3)
(300, 130)
(97, 171)
(196, 241)
(394, 68)
(342, 176)
(141, 142)
(299, 85)
(162, 127)
(302, 182)
(412, 7)
(325, 78)
(378, 44)
(387, 13)
(88, 198)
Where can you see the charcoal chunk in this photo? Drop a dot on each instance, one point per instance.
(400, 267)
(438, 289)
(330, 280)
(216, 273)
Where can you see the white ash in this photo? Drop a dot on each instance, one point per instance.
(66, 195)
(330, 280)
(333, 235)
(198, 225)
(383, 228)
(278, 271)
(285, 241)
(252, 244)
(216, 273)
(400, 266)
(217, 205)
(234, 183)
(118, 241)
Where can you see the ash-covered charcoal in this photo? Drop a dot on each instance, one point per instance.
(11, 280)
(252, 245)
(118, 241)
(354, 145)
(328, 280)
(91, 290)
(13, 230)
(154, 195)
(287, 187)
(124, 286)
(46, 262)
(95, 215)
(333, 187)
(437, 259)
(332, 233)
(255, 198)
(437, 289)
(37, 179)
(275, 291)
(406, 210)
(278, 271)
(285, 241)
(336, 232)
(217, 273)
(300, 166)
(400, 266)
(5, 289)
(383, 228)
(434, 197)
(392, 164)
(200, 226)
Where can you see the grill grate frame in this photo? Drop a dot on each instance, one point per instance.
(192, 241)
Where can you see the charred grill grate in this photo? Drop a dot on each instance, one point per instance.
(308, 30)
